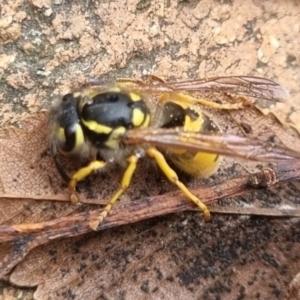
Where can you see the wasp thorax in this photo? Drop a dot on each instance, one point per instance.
(106, 116)
(113, 109)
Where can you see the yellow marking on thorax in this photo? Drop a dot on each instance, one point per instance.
(96, 127)
(135, 97)
(146, 123)
(115, 89)
(137, 117)
(114, 139)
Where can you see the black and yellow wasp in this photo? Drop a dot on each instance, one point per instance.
(127, 120)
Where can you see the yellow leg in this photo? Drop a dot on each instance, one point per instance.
(82, 174)
(172, 176)
(124, 185)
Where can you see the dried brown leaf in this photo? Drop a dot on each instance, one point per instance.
(31, 163)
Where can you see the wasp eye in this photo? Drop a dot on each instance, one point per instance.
(68, 97)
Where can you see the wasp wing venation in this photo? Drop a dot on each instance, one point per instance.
(229, 145)
(256, 87)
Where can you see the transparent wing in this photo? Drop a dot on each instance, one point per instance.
(255, 87)
(229, 145)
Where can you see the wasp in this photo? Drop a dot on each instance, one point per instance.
(124, 121)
